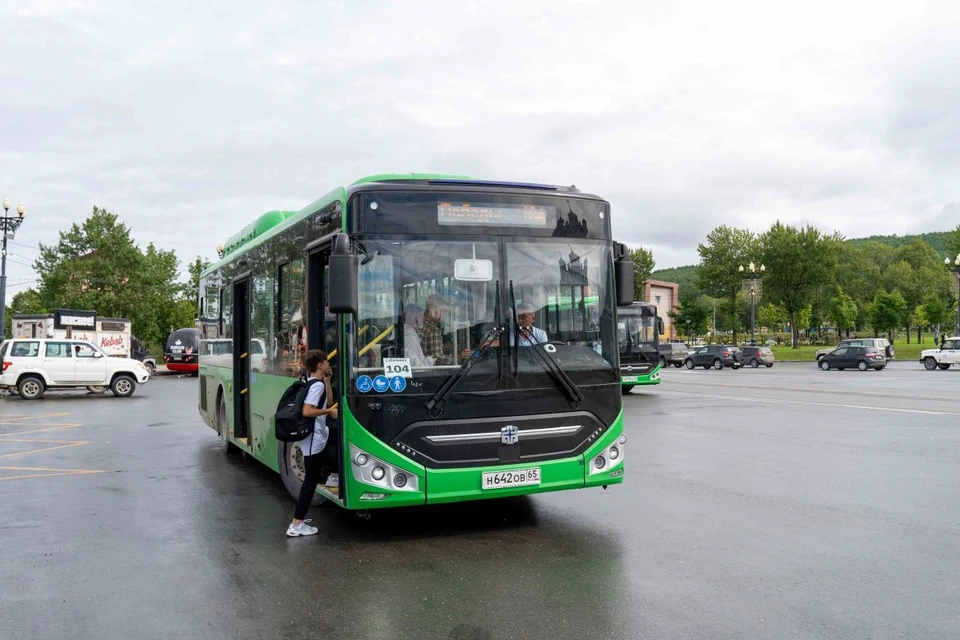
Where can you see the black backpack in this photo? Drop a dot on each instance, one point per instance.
(289, 423)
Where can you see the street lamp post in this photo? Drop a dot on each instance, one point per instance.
(8, 225)
(753, 275)
(955, 267)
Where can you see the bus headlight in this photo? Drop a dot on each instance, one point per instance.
(610, 458)
(370, 470)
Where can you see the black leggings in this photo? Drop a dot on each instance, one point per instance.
(316, 471)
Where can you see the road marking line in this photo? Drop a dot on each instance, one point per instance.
(33, 417)
(812, 402)
(58, 428)
(23, 453)
(56, 472)
(818, 390)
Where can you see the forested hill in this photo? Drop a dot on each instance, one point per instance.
(939, 240)
(686, 276)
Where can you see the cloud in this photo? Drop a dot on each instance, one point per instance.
(191, 120)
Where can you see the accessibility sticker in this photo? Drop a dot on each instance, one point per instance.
(398, 383)
(364, 384)
(381, 384)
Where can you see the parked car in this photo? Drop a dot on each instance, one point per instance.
(880, 343)
(673, 353)
(33, 366)
(862, 358)
(943, 357)
(717, 356)
(756, 356)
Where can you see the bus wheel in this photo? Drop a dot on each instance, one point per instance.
(290, 461)
(223, 430)
(625, 389)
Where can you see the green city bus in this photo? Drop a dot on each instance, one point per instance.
(376, 274)
(638, 331)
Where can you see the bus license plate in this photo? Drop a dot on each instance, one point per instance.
(630, 378)
(177, 358)
(507, 479)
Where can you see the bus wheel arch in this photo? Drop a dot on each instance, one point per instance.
(290, 463)
(223, 429)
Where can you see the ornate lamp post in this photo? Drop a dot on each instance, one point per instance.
(955, 267)
(8, 226)
(753, 275)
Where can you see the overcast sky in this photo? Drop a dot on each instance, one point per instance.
(189, 119)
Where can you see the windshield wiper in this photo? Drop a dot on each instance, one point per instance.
(435, 404)
(546, 361)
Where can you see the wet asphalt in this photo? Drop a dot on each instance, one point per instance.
(771, 503)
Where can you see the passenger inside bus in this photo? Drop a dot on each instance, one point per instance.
(431, 332)
(412, 323)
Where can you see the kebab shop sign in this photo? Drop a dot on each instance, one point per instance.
(115, 344)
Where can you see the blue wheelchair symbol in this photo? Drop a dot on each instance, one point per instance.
(364, 384)
(381, 384)
(398, 383)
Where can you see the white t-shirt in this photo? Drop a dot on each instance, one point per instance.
(315, 442)
(539, 337)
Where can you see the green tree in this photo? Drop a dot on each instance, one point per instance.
(23, 303)
(798, 261)
(721, 257)
(96, 265)
(804, 318)
(920, 321)
(887, 312)
(691, 318)
(843, 311)
(772, 316)
(195, 268)
(936, 311)
(953, 243)
(643, 265)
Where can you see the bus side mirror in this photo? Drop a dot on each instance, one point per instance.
(344, 277)
(660, 325)
(623, 274)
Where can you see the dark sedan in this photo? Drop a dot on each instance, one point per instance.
(717, 356)
(862, 358)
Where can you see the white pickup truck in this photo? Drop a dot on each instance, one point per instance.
(943, 357)
(32, 366)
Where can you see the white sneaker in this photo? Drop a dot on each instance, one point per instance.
(302, 529)
(333, 480)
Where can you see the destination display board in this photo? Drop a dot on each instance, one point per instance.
(478, 214)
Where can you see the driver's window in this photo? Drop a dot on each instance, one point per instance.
(703, 350)
(84, 351)
(842, 351)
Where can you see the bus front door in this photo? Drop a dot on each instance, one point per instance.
(241, 360)
(323, 333)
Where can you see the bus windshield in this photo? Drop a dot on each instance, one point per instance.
(413, 308)
(637, 330)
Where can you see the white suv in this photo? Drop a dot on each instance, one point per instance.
(31, 366)
(943, 357)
